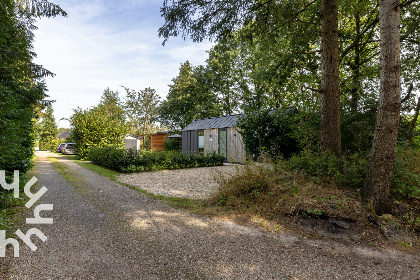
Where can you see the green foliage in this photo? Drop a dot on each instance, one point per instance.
(172, 145)
(406, 177)
(95, 128)
(270, 130)
(22, 89)
(110, 103)
(225, 77)
(357, 129)
(350, 170)
(309, 213)
(48, 131)
(141, 109)
(189, 98)
(132, 161)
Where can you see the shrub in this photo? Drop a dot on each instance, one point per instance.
(349, 170)
(172, 145)
(251, 182)
(96, 128)
(270, 130)
(406, 178)
(357, 131)
(132, 160)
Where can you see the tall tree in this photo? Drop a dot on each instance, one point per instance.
(48, 130)
(218, 19)
(221, 65)
(189, 98)
(111, 104)
(375, 194)
(141, 109)
(22, 88)
(330, 82)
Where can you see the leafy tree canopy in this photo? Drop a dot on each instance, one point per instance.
(189, 98)
(141, 109)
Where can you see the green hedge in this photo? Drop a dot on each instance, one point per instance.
(132, 161)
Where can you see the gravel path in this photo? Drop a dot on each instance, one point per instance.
(196, 183)
(103, 230)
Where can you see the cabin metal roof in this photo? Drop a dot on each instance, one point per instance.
(216, 122)
(64, 134)
(226, 121)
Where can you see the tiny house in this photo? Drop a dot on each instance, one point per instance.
(218, 134)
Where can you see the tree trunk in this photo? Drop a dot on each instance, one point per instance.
(330, 84)
(375, 194)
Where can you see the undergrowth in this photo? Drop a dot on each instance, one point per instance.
(314, 187)
(350, 170)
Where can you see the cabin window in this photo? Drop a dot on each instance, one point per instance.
(201, 142)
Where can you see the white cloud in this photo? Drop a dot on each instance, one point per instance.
(107, 44)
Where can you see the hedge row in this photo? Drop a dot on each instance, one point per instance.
(132, 161)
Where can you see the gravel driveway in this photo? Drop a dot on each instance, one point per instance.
(103, 230)
(196, 183)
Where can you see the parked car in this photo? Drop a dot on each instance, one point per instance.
(60, 148)
(68, 149)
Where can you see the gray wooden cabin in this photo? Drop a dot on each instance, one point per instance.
(218, 134)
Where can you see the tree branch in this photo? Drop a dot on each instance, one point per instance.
(292, 18)
(406, 3)
(316, 51)
(314, 90)
(362, 34)
(410, 89)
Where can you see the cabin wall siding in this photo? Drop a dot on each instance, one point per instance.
(158, 141)
(235, 146)
(211, 140)
(190, 141)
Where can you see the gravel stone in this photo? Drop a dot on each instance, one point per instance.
(195, 183)
(103, 230)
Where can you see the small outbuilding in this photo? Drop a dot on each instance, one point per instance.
(157, 140)
(218, 134)
(131, 143)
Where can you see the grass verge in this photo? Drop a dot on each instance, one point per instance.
(195, 206)
(76, 181)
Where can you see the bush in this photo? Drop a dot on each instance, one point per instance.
(48, 146)
(96, 128)
(357, 131)
(133, 161)
(350, 170)
(172, 145)
(406, 178)
(270, 130)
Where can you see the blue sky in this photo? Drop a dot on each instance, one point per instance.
(108, 43)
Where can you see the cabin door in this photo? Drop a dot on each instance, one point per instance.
(223, 142)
